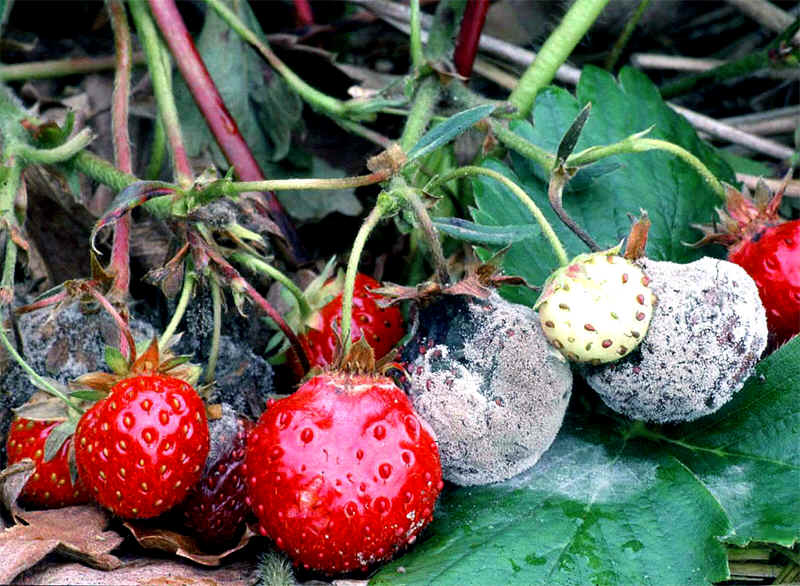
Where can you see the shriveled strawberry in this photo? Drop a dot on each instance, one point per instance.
(144, 446)
(215, 508)
(51, 485)
(381, 327)
(343, 473)
(768, 248)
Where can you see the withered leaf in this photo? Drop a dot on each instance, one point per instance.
(78, 532)
(182, 545)
(12, 481)
(144, 572)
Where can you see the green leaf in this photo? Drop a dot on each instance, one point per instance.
(264, 109)
(88, 395)
(630, 505)
(480, 234)
(446, 131)
(115, 360)
(666, 187)
(573, 133)
(58, 435)
(597, 509)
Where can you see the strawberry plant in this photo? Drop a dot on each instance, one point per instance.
(579, 397)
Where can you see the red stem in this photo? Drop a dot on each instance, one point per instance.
(120, 251)
(230, 274)
(218, 118)
(469, 35)
(128, 346)
(305, 17)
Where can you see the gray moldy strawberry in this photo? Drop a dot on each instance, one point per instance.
(708, 331)
(485, 378)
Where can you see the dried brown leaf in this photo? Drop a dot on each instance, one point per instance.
(12, 481)
(78, 532)
(181, 545)
(144, 572)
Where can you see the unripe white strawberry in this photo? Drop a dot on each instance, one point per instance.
(597, 308)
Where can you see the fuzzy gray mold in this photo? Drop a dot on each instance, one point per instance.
(708, 331)
(495, 394)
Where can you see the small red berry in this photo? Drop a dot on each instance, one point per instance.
(343, 473)
(768, 248)
(144, 446)
(382, 327)
(51, 485)
(215, 507)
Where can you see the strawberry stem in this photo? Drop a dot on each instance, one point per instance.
(41, 382)
(469, 35)
(637, 144)
(520, 194)
(119, 266)
(412, 197)
(384, 205)
(421, 112)
(59, 154)
(189, 279)
(555, 190)
(415, 37)
(11, 186)
(258, 265)
(554, 52)
(216, 305)
(157, 59)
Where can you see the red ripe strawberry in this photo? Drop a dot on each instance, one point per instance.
(51, 485)
(768, 248)
(343, 473)
(144, 446)
(215, 508)
(382, 327)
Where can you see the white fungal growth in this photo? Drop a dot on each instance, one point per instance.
(495, 395)
(708, 331)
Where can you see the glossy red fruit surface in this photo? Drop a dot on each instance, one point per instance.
(144, 446)
(215, 508)
(382, 327)
(342, 473)
(51, 484)
(772, 259)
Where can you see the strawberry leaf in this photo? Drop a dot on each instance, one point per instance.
(630, 505)
(671, 191)
(443, 133)
(115, 360)
(58, 435)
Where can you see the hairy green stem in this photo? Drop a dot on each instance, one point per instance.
(40, 382)
(8, 196)
(213, 353)
(162, 88)
(189, 280)
(520, 194)
(412, 197)
(421, 111)
(120, 249)
(61, 67)
(415, 41)
(527, 149)
(315, 98)
(641, 145)
(158, 150)
(102, 171)
(352, 269)
(555, 51)
(233, 188)
(625, 35)
(258, 265)
(55, 155)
